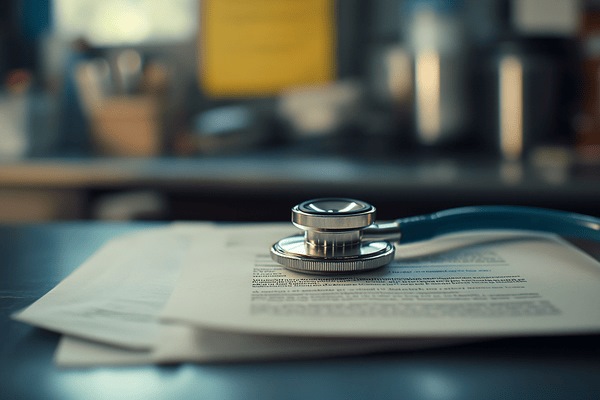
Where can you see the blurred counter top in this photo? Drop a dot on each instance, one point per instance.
(210, 187)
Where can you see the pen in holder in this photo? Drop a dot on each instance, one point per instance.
(125, 120)
(128, 126)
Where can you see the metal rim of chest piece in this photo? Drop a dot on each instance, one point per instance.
(332, 239)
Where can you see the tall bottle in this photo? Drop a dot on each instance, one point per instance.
(436, 37)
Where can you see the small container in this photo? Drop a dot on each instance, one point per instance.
(528, 95)
(438, 43)
(128, 126)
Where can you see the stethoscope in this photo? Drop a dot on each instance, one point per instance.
(341, 235)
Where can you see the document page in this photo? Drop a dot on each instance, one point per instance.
(180, 343)
(115, 296)
(483, 284)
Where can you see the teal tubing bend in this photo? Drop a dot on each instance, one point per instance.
(499, 217)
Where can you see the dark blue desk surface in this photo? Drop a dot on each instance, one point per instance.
(34, 258)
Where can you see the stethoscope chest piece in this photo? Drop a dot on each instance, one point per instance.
(341, 235)
(332, 240)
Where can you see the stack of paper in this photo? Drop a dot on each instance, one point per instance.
(205, 293)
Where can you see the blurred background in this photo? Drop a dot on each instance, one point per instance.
(234, 110)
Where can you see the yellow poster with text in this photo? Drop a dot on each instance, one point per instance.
(260, 47)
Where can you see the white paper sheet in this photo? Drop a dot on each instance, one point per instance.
(228, 283)
(180, 343)
(77, 352)
(469, 285)
(109, 307)
(114, 297)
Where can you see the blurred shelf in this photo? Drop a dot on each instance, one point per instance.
(242, 182)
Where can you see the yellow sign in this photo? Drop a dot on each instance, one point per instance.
(259, 47)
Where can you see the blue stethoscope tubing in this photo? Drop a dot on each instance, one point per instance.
(499, 217)
(340, 235)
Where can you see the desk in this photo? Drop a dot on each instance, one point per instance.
(36, 257)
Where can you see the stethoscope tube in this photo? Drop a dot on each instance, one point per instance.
(340, 235)
(499, 217)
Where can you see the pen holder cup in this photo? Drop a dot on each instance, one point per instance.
(128, 126)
